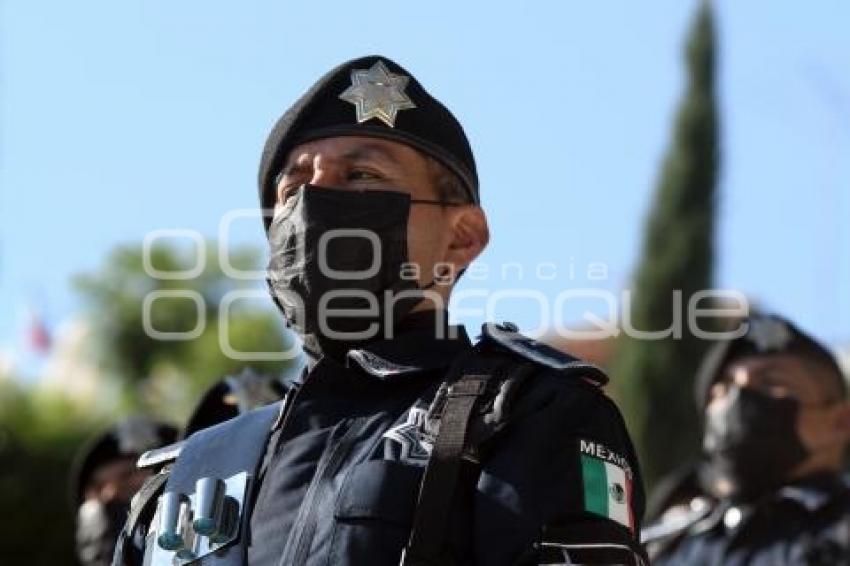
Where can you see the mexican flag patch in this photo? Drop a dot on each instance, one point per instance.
(607, 483)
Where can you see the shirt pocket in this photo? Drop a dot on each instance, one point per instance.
(374, 512)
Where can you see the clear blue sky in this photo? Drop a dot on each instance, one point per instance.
(123, 117)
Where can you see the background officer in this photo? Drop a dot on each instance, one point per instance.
(104, 478)
(404, 442)
(231, 396)
(769, 488)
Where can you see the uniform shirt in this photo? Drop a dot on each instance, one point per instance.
(343, 469)
(340, 416)
(343, 465)
(806, 523)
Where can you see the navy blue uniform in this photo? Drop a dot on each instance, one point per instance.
(340, 476)
(806, 523)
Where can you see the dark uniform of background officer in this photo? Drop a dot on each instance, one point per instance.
(103, 479)
(769, 490)
(404, 438)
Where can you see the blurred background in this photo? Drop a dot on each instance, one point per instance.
(640, 148)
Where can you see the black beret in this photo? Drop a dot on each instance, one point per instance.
(766, 334)
(370, 96)
(129, 438)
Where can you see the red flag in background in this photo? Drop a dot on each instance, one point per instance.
(38, 335)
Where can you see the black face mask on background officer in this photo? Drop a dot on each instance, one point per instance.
(777, 422)
(104, 479)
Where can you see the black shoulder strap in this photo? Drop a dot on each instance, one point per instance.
(141, 505)
(488, 377)
(427, 545)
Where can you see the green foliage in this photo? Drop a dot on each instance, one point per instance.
(165, 376)
(40, 430)
(655, 377)
(39, 434)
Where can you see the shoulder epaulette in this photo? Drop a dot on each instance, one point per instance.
(160, 456)
(507, 336)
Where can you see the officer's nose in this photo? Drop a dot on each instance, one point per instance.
(742, 377)
(108, 492)
(327, 173)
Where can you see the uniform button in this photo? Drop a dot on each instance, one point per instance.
(732, 517)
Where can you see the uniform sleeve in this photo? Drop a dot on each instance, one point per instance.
(562, 485)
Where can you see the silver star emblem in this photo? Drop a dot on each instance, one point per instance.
(136, 435)
(414, 448)
(377, 93)
(768, 334)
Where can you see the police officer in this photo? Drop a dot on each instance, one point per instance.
(103, 479)
(232, 396)
(404, 443)
(768, 490)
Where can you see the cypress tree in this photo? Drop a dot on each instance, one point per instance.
(654, 378)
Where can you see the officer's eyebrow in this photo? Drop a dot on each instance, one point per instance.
(360, 153)
(291, 168)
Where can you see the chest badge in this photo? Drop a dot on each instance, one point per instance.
(414, 445)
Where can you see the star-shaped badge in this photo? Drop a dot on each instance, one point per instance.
(377, 93)
(768, 334)
(415, 449)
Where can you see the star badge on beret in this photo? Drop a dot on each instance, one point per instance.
(768, 334)
(377, 93)
(135, 436)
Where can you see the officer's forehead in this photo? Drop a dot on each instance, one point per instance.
(113, 470)
(353, 148)
(782, 365)
(779, 361)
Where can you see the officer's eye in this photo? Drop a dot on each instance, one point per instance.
(286, 190)
(772, 379)
(363, 175)
(774, 384)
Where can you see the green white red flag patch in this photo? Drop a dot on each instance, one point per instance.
(607, 483)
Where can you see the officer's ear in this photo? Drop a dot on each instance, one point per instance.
(469, 235)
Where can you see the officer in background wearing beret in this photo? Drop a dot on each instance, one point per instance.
(232, 396)
(404, 442)
(769, 489)
(103, 479)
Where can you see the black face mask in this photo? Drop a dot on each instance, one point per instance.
(343, 288)
(98, 527)
(752, 444)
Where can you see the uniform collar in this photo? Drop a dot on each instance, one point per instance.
(811, 493)
(422, 342)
